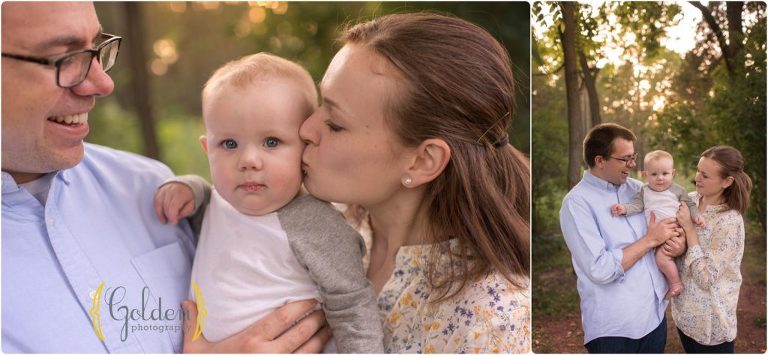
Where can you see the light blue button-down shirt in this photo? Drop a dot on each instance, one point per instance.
(98, 225)
(613, 302)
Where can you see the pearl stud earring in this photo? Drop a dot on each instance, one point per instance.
(407, 181)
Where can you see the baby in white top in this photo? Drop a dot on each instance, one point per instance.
(662, 196)
(262, 243)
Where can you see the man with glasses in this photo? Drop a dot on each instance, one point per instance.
(621, 288)
(86, 266)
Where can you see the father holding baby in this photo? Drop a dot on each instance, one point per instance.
(621, 288)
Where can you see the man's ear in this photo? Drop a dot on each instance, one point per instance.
(204, 142)
(430, 159)
(599, 161)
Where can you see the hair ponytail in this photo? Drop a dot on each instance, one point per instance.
(732, 165)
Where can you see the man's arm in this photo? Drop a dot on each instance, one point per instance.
(657, 234)
(586, 244)
(588, 248)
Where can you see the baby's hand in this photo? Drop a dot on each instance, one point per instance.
(618, 210)
(699, 220)
(174, 201)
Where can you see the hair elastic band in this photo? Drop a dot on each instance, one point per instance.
(502, 142)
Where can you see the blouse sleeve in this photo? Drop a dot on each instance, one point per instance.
(726, 246)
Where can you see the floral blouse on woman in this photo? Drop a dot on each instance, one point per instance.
(710, 271)
(489, 315)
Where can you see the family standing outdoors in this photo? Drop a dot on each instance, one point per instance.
(411, 134)
(624, 295)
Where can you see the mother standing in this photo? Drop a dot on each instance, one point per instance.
(413, 128)
(705, 313)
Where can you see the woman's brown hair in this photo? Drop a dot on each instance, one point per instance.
(460, 88)
(732, 164)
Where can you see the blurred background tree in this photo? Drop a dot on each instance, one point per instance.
(171, 48)
(684, 77)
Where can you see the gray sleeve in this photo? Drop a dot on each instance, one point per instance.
(682, 196)
(636, 205)
(202, 191)
(332, 251)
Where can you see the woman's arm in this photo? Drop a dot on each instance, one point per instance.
(725, 246)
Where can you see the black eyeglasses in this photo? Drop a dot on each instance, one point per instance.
(73, 67)
(632, 158)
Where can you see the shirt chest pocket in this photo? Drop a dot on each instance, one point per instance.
(165, 272)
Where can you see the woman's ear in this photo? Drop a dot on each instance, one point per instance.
(431, 158)
(204, 142)
(727, 182)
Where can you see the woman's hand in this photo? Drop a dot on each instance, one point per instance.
(674, 246)
(684, 216)
(275, 333)
(174, 201)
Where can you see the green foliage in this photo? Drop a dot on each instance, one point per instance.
(550, 142)
(112, 126)
(729, 110)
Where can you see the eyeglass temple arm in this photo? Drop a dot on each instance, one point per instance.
(42, 61)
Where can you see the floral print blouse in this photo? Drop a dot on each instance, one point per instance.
(489, 316)
(710, 271)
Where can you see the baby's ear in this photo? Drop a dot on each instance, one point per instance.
(644, 173)
(674, 172)
(204, 142)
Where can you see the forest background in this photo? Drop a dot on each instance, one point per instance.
(683, 76)
(170, 49)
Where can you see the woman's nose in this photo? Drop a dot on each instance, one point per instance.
(309, 130)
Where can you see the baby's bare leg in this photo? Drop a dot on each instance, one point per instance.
(669, 269)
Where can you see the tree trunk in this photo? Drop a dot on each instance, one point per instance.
(575, 121)
(135, 47)
(590, 78)
(735, 33)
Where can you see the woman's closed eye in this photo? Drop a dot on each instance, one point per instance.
(228, 143)
(333, 127)
(271, 142)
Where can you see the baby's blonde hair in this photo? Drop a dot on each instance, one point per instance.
(261, 67)
(656, 155)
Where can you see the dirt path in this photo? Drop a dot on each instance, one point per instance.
(564, 334)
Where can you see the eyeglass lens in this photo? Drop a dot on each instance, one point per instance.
(74, 69)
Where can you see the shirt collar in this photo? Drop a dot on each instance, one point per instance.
(598, 182)
(10, 185)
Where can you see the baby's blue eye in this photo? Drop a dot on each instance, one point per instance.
(271, 142)
(228, 144)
